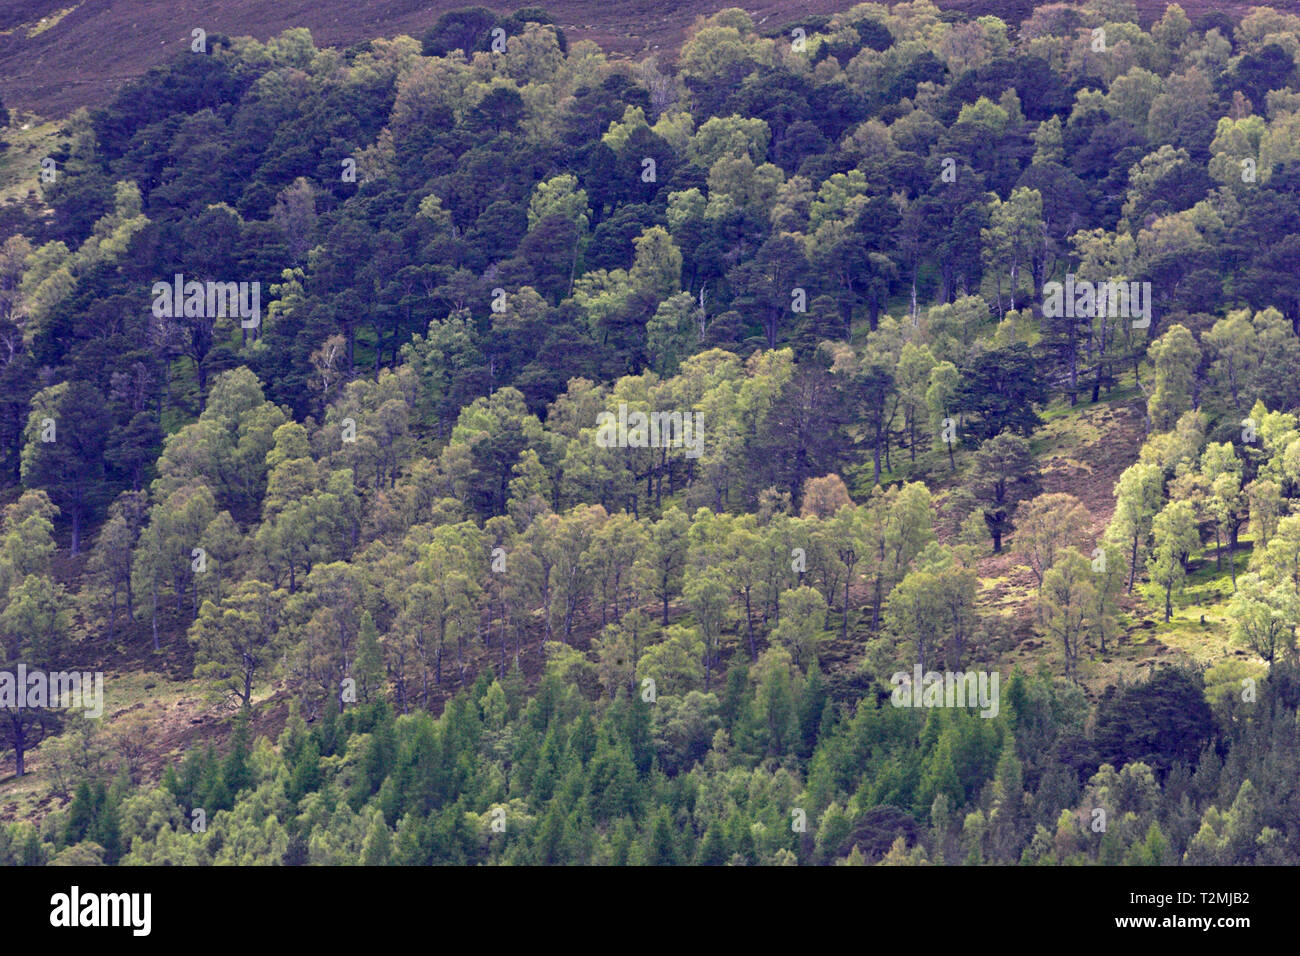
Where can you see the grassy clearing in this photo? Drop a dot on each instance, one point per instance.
(160, 717)
(30, 140)
(134, 701)
(1199, 626)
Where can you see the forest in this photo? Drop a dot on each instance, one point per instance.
(976, 350)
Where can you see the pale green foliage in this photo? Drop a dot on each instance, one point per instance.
(1263, 615)
(559, 196)
(1176, 537)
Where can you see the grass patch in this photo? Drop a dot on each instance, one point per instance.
(30, 140)
(170, 715)
(1199, 625)
(47, 23)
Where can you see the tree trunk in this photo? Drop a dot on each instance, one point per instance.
(749, 623)
(1132, 564)
(847, 579)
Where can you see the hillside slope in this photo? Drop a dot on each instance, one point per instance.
(54, 58)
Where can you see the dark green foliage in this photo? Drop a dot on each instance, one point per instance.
(999, 388)
(467, 30)
(1160, 722)
(93, 816)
